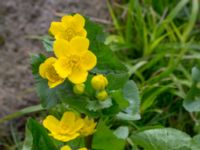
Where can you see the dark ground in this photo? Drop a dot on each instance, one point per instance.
(20, 19)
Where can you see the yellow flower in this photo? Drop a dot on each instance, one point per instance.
(79, 88)
(99, 82)
(102, 95)
(82, 148)
(69, 27)
(74, 59)
(66, 129)
(89, 127)
(66, 147)
(47, 71)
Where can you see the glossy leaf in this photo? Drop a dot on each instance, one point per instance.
(105, 139)
(122, 132)
(162, 139)
(41, 139)
(47, 42)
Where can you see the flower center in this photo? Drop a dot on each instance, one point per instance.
(52, 75)
(64, 129)
(69, 33)
(74, 61)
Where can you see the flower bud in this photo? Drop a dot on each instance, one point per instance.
(79, 88)
(102, 95)
(99, 82)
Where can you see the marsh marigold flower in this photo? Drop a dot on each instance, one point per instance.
(89, 127)
(66, 147)
(66, 129)
(99, 82)
(69, 27)
(82, 148)
(74, 59)
(47, 71)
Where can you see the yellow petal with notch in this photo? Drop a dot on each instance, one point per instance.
(79, 45)
(88, 60)
(61, 48)
(78, 75)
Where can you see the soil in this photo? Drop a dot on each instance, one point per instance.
(19, 20)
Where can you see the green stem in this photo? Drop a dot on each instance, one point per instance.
(88, 142)
(21, 113)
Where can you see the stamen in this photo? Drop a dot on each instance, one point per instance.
(70, 33)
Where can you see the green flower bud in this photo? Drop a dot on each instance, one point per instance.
(102, 95)
(79, 88)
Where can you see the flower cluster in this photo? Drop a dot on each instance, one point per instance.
(69, 127)
(73, 59)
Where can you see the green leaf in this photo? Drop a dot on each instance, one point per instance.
(192, 100)
(36, 60)
(98, 105)
(150, 96)
(131, 94)
(122, 132)
(112, 110)
(79, 103)
(121, 79)
(195, 143)
(125, 116)
(196, 74)
(162, 139)
(107, 62)
(47, 42)
(48, 96)
(22, 112)
(118, 96)
(41, 139)
(105, 139)
(94, 31)
(28, 142)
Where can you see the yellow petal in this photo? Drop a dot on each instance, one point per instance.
(70, 137)
(78, 75)
(83, 148)
(89, 127)
(61, 48)
(45, 65)
(51, 123)
(64, 137)
(79, 45)
(42, 69)
(68, 118)
(88, 60)
(54, 84)
(77, 126)
(66, 20)
(56, 28)
(79, 20)
(66, 147)
(82, 33)
(63, 67)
